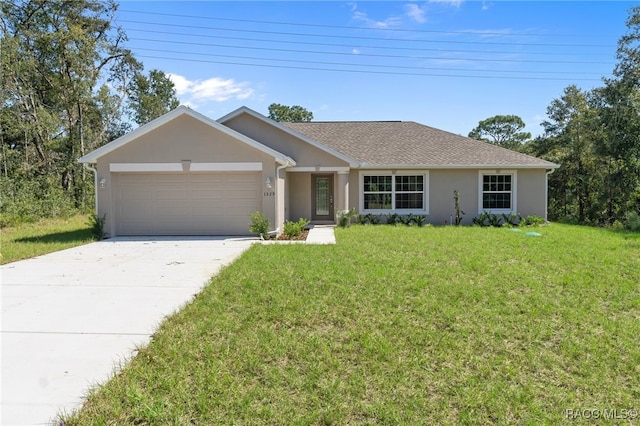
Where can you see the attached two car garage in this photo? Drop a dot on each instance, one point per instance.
(185, 174)
(185, 203)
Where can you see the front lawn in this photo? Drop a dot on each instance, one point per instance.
(42, 237)
(397, 325)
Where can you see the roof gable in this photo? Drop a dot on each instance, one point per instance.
(165, 119)
(405, 144)
(291, 131)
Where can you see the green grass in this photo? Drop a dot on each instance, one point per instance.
(42, 237)
(397, 325)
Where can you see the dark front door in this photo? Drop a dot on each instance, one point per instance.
(322, 200)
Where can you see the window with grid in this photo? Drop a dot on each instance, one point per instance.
(497, 192)
(399, 192)
(378, 192)
(409, 192)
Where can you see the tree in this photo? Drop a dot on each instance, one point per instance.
(294, 113)
(570, 139)
(502, 130)
(152, 96)
(65, 75)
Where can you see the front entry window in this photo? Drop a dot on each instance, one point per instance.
(322, 196)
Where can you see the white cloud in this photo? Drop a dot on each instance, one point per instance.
(212, 89)
(416, 12)
(180, 83)
(391, 21)
(454, 3)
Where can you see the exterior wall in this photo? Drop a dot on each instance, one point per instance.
(299, 195)
(531, 193)
(185, 138)
(304, 154)
(442, 185)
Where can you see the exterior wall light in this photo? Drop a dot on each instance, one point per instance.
(103, 182)
(268, 182)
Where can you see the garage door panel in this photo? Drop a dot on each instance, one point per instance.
(186, 203)
(206, 179)
(136, 194)
(207, 194)
(136, 228)
(171, 195)
(172, 211)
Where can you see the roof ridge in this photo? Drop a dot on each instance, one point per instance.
(344, 121)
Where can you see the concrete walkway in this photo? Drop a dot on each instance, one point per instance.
(321, 234)
(70, 317)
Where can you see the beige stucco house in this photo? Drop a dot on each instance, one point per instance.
(187, 174)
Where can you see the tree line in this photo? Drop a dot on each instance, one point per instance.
(595, 137)
(70, 85)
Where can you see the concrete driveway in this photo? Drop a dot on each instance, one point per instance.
(70, 317)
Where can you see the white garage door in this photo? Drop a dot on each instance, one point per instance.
(185, 203)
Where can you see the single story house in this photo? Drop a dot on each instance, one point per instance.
(187, 174)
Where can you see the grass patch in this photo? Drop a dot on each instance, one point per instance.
(397, 325)
(46, 236)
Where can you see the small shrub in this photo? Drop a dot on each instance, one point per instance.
(480, 220)
(393, 218)
(512, 219)
(259, 224)
(495, 220)
(632, 222)
(368, 218)
(346, 216)
(617, 225)
(293, 229)
(96, 223)
(487, 219)
(407, 219)
(373, 219)
(419, 220)
(533, 220)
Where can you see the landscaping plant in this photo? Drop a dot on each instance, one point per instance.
(259, 225)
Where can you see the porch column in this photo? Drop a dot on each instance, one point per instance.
(342, 201)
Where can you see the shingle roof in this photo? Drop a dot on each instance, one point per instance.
(406, 143)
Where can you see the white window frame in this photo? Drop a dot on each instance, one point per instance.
(423, 173)
(514, 190)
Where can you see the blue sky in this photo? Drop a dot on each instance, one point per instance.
(444, 63)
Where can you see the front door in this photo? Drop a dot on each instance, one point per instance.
(322, 200)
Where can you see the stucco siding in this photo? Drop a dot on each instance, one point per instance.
(441, 203)
(532, 192)
(303, 153)
(299, 195)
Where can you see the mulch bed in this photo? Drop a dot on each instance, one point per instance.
(301, 237)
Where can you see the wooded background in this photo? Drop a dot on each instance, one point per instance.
(70, 85)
